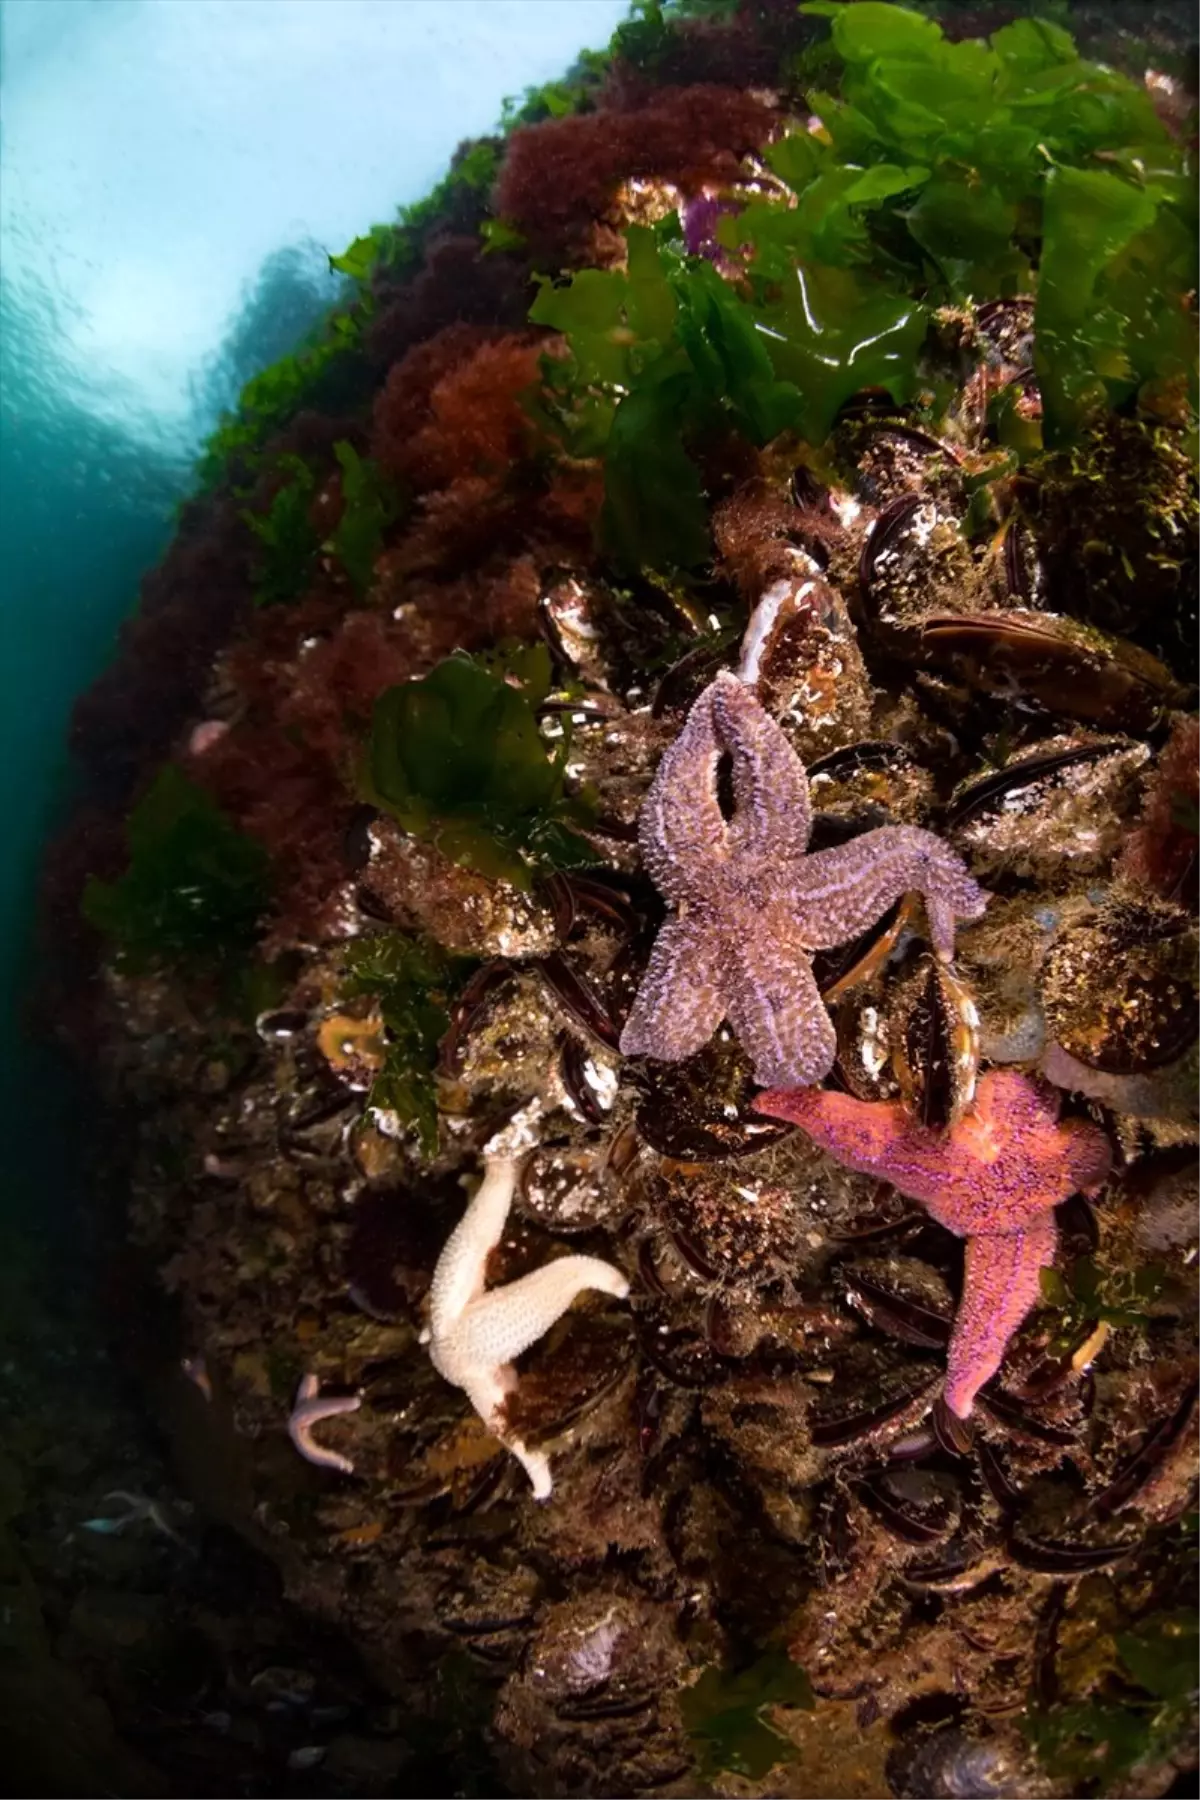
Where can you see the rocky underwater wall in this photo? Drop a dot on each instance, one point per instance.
(631, 914)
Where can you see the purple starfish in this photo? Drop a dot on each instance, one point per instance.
(994, 1178)
(751, 905)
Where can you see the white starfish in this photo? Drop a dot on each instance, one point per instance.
(473, 1335)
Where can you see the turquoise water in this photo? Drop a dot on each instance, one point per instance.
(173, 178)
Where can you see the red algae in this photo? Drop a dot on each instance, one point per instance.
(456, 286)
(474, 423)
(758, 531)
(559, 175)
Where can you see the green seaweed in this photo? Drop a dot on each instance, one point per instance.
(195, 887)
(723, 1715)
(396, 249)
(497, 235)
(413, 981)
(457, 758)
(941, 172)
(1088, 1294)
(1009, 134)
(268, 402)
(369, 506)
(273, 398)
(289, 541)
(646, 36)
(663, 354)
(1144, 1716)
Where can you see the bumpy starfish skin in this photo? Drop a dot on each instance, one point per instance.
(1000, 1285)
(994, 1178)
(751, 905)
(474, 1335)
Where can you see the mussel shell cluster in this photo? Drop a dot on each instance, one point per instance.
(753, 1448)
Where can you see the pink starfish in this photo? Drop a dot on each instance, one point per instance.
(994, 1178)
(308, 1410)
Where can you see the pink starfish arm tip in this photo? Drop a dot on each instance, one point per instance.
(1001, 1284)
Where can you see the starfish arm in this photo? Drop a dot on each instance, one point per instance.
(309, 1413)
(1000, 1286)
(681, 1000)
(860, 1134)
(840, 892)
(498, 1326)
(774, 1007)
(770, 788)
(487, 1390)
(458, 1278)
(681, 828)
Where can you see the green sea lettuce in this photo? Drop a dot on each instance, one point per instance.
(1087, 1294)
(288, 540)
(369, 506)
(195, 888)
(723, 1715)
(1145, 1714)
(458, 758)
(939, 173)
(1046, 173)
(663, 354)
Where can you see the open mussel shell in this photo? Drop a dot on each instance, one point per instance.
(864, 1059)
(699, 1110)
(572, 621)
(1119, 990)
(1055, 663)
(851, 965)
(933, 1030)
(1058, 809)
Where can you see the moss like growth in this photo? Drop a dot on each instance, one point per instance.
(413, 981)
